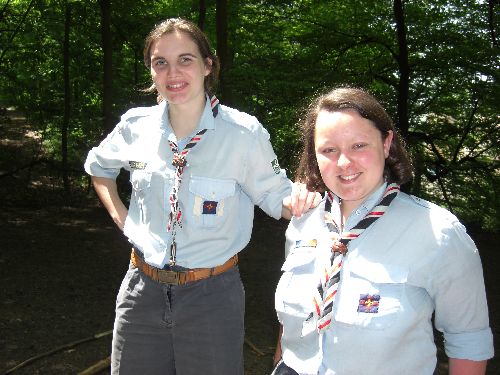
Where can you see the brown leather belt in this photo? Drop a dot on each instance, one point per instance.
(180, 278)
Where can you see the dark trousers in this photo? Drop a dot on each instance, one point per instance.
(282, 369)
(189, 329)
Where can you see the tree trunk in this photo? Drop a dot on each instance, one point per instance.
(4, 10)
(222, 48)
(404, 69)
(67, 97)
(202, 15)
(107, 47)
(18, 28)
(491, 21)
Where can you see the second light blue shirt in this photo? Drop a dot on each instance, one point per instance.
(417, 261)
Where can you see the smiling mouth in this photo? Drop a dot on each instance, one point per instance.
(349, 177)
(176, 85)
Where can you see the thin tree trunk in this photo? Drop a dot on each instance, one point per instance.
(222, 47)
(18, 27)
(491, 21)
(404, 68)
(202, 15)
(4, 10)
(67, 97)
(107, 48)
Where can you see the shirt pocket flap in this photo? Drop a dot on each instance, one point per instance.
(212, 189)
(297, 259)
(140, 180)
(379, 273)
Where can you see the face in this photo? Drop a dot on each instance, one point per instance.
(178, 69)
(351, 155)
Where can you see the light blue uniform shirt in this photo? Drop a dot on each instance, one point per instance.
(419, 259)
(233, 167)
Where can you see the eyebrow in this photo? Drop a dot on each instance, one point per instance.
(187, 54)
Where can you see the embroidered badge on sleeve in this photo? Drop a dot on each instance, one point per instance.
(368, 303)
(276, 166)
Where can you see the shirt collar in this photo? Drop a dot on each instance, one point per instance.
(207, 121)
(365, 207)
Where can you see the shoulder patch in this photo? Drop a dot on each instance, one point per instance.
(276, 166)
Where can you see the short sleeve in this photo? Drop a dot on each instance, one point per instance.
(106, 160)
(265, 182)
(457, 287)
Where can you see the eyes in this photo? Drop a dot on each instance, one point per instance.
(184, 60)
(354, 147)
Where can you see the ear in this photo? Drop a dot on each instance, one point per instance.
(388, 142)
(208, 66)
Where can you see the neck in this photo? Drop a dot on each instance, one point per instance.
(184, 118)
(346, 207)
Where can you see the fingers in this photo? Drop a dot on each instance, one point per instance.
(302, 200)
(317, 199)
(298, 197)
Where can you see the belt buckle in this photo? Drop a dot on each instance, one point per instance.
(168, 277)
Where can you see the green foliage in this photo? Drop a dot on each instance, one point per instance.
(283, 53)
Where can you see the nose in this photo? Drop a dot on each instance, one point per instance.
(172, 70)
(343, 161)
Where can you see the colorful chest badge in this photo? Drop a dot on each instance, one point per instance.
(306, 243)
(210, 207)
(369, 303)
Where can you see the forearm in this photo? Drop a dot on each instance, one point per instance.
(286, 211)
(277, 353)
(107, 192)
(466, 367)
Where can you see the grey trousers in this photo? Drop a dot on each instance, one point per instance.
(282, 369)
(191, 329)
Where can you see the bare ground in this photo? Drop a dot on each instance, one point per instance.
(62, 263)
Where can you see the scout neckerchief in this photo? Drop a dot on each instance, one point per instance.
(327, 288)
(179, 162)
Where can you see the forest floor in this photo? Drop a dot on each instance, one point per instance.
(62, 263)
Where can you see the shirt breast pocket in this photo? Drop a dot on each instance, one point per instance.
(297, 284)
(370, 297)
(141, 195)
(211, 200)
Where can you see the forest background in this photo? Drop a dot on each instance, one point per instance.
(71, 68)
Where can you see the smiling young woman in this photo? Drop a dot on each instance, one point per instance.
(369, 268)
(197, 168)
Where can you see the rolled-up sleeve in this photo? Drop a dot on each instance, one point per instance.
(459, 294)
(476, 346)
(106, 160)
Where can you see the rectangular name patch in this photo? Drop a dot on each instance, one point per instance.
(306, 243)
(137, 164)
